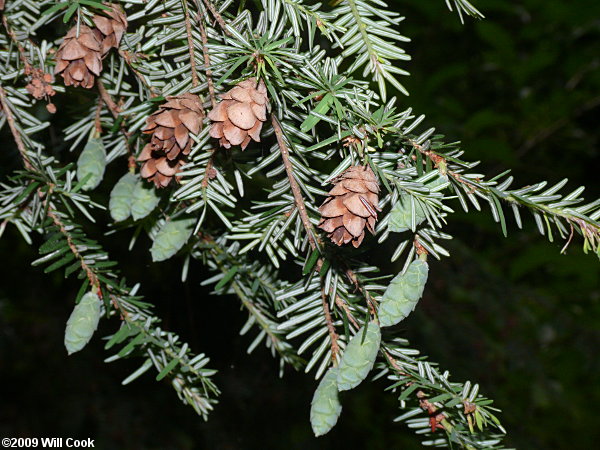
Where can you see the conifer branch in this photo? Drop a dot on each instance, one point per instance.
(330, 119)
(587, 226)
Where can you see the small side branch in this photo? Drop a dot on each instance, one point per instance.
(190, 41)
(10, 118)
(207, 70)
(58, 223)
(356, 282)
(335, 348)
(129, 59)
(112, 106)
(285, 156)
(342, 304)
(97, 122)
(589, 228)
(115, 111)
(13, 37)
(217, 16)
(50, 211)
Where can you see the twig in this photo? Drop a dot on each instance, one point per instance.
(97, 123)
(393, 362)
(217, 16)
(20, 48)
(285, 156)
(209, 171)
(355, 281)
(112, 106)
(207, 70)
(335, 348)
(564, 249)
(115, 111)
(440, 162)
(48, 207)
(88, 271)
(435, 417)
(300, 205)
(127, 57)
(190, 40)
(342, 304)
(10, 118)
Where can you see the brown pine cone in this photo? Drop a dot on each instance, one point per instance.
(170, 143)
(79, 58)
(352, 204)
(240, 116)
(112, 27)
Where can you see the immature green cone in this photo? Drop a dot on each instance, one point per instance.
(82, 322)
(239, 117)
(79, 57)
(351, 206)
(112, 25)
(170, 128)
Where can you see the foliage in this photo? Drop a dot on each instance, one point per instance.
(250, 217)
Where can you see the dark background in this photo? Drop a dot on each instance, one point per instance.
(521, 89)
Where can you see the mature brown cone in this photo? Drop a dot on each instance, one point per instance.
(240, 116)
(79, 58)
(352, 204)
(170, 126)
(112, 27)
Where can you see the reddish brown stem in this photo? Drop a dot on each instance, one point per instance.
(207, 70)
(20, 48)
(115, 111)
(335, 348)
(112, 106)
(217, 16)
(296, 191)
(89, 272)
(10, 118)
(97, 122)
(190, 41)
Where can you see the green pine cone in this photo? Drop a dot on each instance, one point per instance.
(325, 407)
(82, 323)
(403, 294)
(359, 357)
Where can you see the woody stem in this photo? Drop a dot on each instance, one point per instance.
(296, 191)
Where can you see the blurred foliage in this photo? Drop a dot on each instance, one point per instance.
(521, 89)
